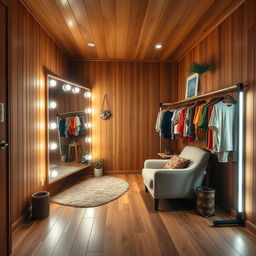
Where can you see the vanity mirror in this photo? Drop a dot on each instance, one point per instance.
(69, 135)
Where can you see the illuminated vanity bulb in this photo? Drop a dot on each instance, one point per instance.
(54, 173)
(87, 94)
(52, 125)
(53, 83)
(88, 139)
(88, 110)
(88, 157)
(66, 87)
(52, 104)
(53, 146)
(88, 125)
(76, 90)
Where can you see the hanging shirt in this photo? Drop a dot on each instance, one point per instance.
(223, 125)
(62, 126)
(176, 121)
(67, 127)
(197, 120)
(209, 132)
(159, 120)
(72, 126)
(166, 124)
(77, 125)
(180, 127)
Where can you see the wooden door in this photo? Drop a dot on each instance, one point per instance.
(4, 173)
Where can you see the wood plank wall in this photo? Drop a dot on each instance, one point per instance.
(134, 91)
(231, 47)
(32, 54)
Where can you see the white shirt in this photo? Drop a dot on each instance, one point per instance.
(159, 120)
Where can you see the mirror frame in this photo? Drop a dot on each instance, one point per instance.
(47, 137)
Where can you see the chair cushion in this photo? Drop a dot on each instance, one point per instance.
(176, 162)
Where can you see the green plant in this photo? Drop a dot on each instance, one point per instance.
(64, 148)
(200, 68)
(98, 163)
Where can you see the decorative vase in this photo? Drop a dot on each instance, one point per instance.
(97, 172)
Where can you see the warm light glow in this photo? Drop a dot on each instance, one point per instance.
(240, 152)
(54, 173)
(52, 125)
(66, 87)
(76, 90)
(88, 110)
(53, 146)
(88, 139)
(52, 83)
(158, 46)
(88, 125)
(52, 105)
(88, 157)
(91, 44)
(87, 94)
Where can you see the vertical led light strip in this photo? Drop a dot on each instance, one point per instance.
(241, 152)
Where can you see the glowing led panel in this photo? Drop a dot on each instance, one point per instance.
(88, 110)
(54, 173)
(76, 90)
(52, 83)
(53, 146)
(87, 94)
(88, 157)
(66, 87)
(88, 139)
(88, 125)
(52, 126)
(52, 105)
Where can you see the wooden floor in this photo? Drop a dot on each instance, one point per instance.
(130, 226)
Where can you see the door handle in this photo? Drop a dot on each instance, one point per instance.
(3, 144)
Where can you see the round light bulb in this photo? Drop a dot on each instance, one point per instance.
(88, 125)
(88, 157)
(88, 139)
(87, 94)
(66, 87)
(52, 104)
(54, 173)
(88, 110)
(53, 125)
(53, 146)
(53, 83)
(158, 46)
(90, 44)
(76, 90)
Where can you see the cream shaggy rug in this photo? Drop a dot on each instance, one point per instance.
(92, 192)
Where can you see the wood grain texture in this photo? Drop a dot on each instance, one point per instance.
(128, 29)
(130, 226)
(134, 92)
(33, 54)
(231, 48)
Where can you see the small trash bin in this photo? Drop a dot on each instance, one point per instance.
(205, 201)
(40, 205)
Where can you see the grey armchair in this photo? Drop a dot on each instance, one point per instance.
(175, 183)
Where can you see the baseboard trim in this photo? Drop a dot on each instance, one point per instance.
(250, 226)
(18, 223)
(121, 172)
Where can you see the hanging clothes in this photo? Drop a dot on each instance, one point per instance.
(223, 125)
(209, 132)
(159, 120)
(166, 124)
(62, 126)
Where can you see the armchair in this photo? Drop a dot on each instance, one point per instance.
(175, 183)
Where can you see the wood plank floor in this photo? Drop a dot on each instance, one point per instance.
(130, 226)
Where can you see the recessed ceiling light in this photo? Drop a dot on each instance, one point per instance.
(91, 44)
(158, 46)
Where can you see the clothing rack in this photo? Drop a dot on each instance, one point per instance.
(70, 113)
(240, 186)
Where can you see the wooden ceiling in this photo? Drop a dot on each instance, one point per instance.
(128, 29)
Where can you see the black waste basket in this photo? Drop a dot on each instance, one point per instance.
(40, 205)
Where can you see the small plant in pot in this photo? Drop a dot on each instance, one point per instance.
(64, 148)
(98, 167)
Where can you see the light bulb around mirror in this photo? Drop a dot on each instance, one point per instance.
(87, 94)
(88, 125)
(76, 90)
(66, 87)
(52, 105)
(88, 157)
(88, 139)
(52, 83)
(53, 173)
(52, 125)
(88, 110)
(53, 146)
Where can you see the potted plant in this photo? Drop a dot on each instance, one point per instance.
(98, 167)
(64, 148)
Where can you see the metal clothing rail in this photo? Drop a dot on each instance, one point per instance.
(71, 113)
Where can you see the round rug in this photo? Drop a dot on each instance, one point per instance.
(92, 192)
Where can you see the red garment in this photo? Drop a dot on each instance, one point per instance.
(72, 127)
(180, 127)
(209, 132)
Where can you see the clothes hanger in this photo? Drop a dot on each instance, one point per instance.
(229, 99)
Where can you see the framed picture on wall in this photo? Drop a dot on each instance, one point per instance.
(192, 86)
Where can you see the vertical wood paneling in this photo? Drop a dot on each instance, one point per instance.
(231, 47)
(32, 55)
(134, 91)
